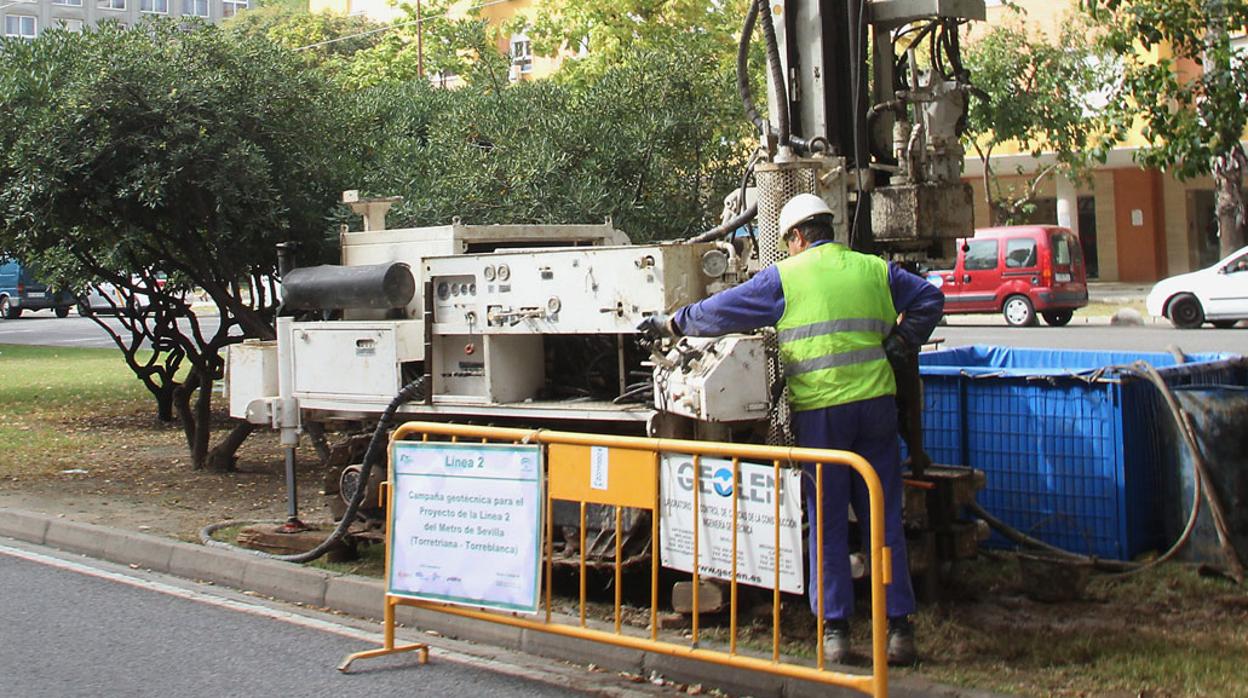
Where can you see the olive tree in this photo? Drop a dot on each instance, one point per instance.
(164, 158)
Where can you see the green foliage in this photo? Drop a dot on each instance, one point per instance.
(188, 152)
(654, 143)
(167, 150)
(611, 29)
(449, 49)
(1189, 119)
(321, 38)
(1186, 82)
(1041, 95)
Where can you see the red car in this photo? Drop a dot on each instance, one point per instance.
(1018, 271)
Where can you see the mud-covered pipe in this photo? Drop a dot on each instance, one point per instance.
(333, 287)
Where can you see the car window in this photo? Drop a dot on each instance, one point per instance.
(1020, 253)
(981, 255)
(1061, 249)
(1239, 265)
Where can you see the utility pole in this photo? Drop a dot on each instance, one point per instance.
(420, 41)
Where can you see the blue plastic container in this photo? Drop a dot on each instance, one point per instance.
(1068, 439)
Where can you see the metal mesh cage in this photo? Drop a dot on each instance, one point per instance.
(777, 183)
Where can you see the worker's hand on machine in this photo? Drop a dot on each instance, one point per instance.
(658, 326)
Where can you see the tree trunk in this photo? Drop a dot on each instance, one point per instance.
(1228, 182)
(222, 458)
(164, 404)
(203, 421)
(182, 404)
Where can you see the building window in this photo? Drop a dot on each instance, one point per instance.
(521, 53)
(195, 8)
(229, 8)
(112, 4)
(68, 24)
(159, 7)
(20, 26)
(71, 3)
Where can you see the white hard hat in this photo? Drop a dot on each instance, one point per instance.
(800, 209)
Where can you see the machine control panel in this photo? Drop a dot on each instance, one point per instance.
(568, 290)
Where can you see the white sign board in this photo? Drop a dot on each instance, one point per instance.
(466, 523)
(755, 492)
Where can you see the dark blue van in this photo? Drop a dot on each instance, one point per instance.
(20, 291)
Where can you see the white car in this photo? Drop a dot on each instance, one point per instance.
(1217, 294)
(106, 298)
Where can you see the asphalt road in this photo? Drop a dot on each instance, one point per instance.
(1102, 337)
(44, 328)
(76, 627)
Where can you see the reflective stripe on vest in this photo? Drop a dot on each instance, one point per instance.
(838, 308)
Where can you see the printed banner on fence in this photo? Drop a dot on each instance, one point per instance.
(755, 492)
(466, 524)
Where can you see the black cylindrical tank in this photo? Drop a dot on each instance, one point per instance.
(333, 287)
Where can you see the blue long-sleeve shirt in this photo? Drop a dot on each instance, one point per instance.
(759, 302)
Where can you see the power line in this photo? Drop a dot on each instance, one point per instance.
(396, 25)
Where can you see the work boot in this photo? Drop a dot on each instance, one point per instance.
(901, 648)
(836, 642)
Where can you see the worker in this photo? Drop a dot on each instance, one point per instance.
(836, 315)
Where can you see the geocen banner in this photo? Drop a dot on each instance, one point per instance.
(755, 492)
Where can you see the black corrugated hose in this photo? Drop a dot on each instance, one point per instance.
(414, 390)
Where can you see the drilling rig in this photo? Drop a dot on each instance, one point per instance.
(535, 325)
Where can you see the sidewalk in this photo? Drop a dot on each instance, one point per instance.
(1116, 292)
(362, 597)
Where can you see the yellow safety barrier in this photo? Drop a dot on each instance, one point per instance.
(568, 463)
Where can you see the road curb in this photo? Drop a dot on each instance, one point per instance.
(363, 597)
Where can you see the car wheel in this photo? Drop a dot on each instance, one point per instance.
(84, 308)
(62, 311)
(1225, 324)
(1018, 311)
(1058, 318)
(1185, 312)
(7, 311)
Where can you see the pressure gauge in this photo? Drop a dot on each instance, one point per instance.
(714, 263)
(553, 305)
(504, 272)
(488, 273)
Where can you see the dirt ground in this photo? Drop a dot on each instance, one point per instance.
(132, 472)
(1170, 633)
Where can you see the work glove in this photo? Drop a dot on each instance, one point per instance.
(898, 350)
(658, 326)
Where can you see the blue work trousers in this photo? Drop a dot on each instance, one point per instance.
(868, 428)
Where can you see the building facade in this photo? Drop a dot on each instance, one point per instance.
(28, 18)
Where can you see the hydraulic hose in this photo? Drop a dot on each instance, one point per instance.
(1200, 490)
(376, 448)
(743, 68)
(777, 73)
(727, 227)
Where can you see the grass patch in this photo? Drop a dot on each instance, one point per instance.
(50, 397)
(50, 378)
